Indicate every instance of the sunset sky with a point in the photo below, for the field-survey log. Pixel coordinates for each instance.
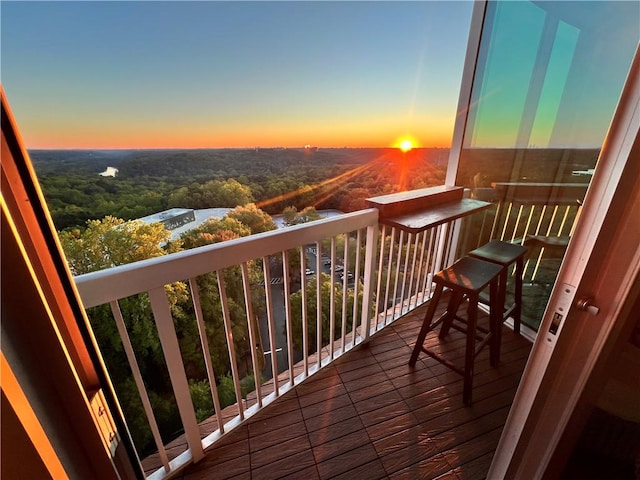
(233, 74)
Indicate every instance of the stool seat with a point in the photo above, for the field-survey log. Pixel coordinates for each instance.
(469, 275)
(497, 251)
(466, 279)
(547, 242)
(504, 254)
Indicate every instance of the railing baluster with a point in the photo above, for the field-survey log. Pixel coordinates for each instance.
(137, 377)
(271, 323)
(345, 292)
(175, 366)
(526, 228)
(420, 266)
(480, 239)
(318, 307)
(548, 233)
(287, 312)
(541, 219)
(367, 289)
(254, 338)
(564, 220)
(388, 282)
(332, 298)
(575, 219)
(496, 219)
(397, 274)
(226, 318)
(356, 285)
(379, 275)
(441, 247)
(455, 228)
(204, 343)
(305, 322)
(406, 268)
(428, 267)
(515, 228)
(506, 221)
(416, 238)
(552, 220)
(537, 232)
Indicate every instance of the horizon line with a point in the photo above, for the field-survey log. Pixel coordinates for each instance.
(113, 149)
(228, 148)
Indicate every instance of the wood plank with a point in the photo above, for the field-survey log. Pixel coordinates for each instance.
(432, 467)
(335, 430)
(279, 450)
(292, 431)
(347, 461)
(369, 415)
(277, 469)
(373, 470)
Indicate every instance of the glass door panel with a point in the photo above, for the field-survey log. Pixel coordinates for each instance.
(546, 84)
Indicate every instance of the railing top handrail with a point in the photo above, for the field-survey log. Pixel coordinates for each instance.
(540, 193)
(97, 288)
(540, 184)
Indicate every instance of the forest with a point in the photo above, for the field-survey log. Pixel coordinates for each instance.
(149, 181)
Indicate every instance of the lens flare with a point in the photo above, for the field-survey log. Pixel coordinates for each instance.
(406, 145)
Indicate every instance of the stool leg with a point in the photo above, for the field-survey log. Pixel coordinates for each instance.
(452, 310)
(495, 321)
(517, 311)
(470, 351)
(426, 324)
(502, 291)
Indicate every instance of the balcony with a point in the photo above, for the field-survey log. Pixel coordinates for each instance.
(359, 387)
(369, 415)
(338, 399)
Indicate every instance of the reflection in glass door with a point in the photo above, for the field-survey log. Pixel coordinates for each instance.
(547, 80)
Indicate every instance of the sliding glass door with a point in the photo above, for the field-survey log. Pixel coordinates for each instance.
(547, 79)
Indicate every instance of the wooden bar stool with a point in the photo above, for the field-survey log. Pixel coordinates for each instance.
(505, 254)
(465, 278)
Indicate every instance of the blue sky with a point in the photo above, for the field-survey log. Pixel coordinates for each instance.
(216, 74)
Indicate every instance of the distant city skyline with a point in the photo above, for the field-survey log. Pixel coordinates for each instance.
(112, 75)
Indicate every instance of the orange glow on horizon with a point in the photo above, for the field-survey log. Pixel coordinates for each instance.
(406, 143)
(136, 135)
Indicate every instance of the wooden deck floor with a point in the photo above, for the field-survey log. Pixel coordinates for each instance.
(369, 415)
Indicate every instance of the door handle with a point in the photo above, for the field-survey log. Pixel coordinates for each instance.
(585, 304)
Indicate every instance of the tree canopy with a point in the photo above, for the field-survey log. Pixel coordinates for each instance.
(150, 181)
(112, 241)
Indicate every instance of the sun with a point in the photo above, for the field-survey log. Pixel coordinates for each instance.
(406, 145)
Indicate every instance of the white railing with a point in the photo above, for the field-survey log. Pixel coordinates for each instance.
(542, 215)
(386, 275)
